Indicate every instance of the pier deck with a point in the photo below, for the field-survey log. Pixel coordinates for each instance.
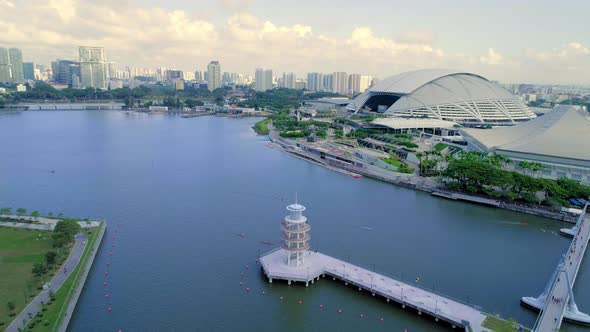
(557, 301)
(317, 264)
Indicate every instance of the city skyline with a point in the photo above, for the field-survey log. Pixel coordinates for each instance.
(244, 35)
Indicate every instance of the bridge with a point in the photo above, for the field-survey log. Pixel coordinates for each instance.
(556, 302)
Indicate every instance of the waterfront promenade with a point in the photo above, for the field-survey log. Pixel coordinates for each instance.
(557, 301)
(423, 301)
(58, 279)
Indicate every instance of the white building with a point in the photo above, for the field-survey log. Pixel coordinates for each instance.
(315, 81)
(93, 68)
(263, 79)
(354, 83)
(340, 83)
(295, 235)
(213, 75)
(289, 80)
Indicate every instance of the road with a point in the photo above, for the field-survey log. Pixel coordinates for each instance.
(59, 278)
(557, 300)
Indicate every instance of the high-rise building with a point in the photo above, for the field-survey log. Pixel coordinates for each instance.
(289, 80)
(328, 82)
(354, 83)
(365, 83)
(5, 75)
(63, 70)
(315, 81)
(93, 69)
(29, 70)
(173, 75)
(198, 75)
(188, 76)
(16, 65)
(263, 79)
(112, 70)
(213, 75)
(340, 83)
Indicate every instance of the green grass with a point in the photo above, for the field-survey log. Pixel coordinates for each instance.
(440, 146)
(261, 127)
(500, 325)
(55, 311)
(19, 249)
(392, 161)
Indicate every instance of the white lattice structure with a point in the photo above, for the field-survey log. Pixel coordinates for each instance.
(461, 97)
(295, 235)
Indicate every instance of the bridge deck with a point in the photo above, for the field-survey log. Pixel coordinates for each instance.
(556, 305)
(318, 264)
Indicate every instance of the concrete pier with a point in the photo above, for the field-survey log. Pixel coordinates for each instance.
(425, 302)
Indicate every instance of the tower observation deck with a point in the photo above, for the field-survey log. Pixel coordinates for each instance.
(295, 235)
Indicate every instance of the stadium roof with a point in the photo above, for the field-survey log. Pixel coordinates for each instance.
(563, 132)
(409, 81)
(446, 95)
(413, 123)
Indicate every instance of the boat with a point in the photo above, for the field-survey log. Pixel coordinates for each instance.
(268, 243)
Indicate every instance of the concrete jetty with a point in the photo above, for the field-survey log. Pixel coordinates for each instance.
(318, 265)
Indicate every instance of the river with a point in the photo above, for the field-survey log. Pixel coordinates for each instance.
(177, 193)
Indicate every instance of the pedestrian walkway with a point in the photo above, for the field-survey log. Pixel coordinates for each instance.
(557, 300)
(55, 283)
(423, 301)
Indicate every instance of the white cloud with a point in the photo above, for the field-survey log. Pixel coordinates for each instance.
(149, 37)
(492, 58)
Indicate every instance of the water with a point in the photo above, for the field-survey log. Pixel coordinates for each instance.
(183, 189)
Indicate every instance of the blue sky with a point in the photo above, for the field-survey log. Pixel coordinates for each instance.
(510, 41)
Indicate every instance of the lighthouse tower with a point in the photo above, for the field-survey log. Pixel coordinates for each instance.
(295, 235)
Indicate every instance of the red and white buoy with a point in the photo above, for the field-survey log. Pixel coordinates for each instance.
(362, 315)
(339, 311)
(321, 306)
(107, 295)
(109, 309)
(247, 289)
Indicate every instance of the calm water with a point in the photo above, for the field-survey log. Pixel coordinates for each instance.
(182, 189)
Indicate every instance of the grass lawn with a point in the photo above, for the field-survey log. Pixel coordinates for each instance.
(261, 127)
(392, 161)
(19, 249)
(50, 319)
(500, 325)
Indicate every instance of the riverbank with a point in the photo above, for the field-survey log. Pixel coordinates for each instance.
(51, 308)
(410, 181)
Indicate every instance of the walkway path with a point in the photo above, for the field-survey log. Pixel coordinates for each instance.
(558, 301)
(59, 278)
(424, 301)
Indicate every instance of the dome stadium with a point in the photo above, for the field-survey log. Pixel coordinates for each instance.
(464, 98)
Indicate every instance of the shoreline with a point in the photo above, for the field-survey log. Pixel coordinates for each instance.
(420, 183)
(73, 301)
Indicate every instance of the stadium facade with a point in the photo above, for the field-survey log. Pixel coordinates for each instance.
(465, 98)
(557, 140)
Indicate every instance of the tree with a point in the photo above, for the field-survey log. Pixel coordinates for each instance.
(5, 211)
(35, 214)
(21, 211)
(64, 232)
(39, 269)
(50, 257)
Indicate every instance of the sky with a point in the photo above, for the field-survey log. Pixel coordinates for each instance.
(545, 42)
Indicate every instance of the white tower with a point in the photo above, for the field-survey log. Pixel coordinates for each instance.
(295, 235)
